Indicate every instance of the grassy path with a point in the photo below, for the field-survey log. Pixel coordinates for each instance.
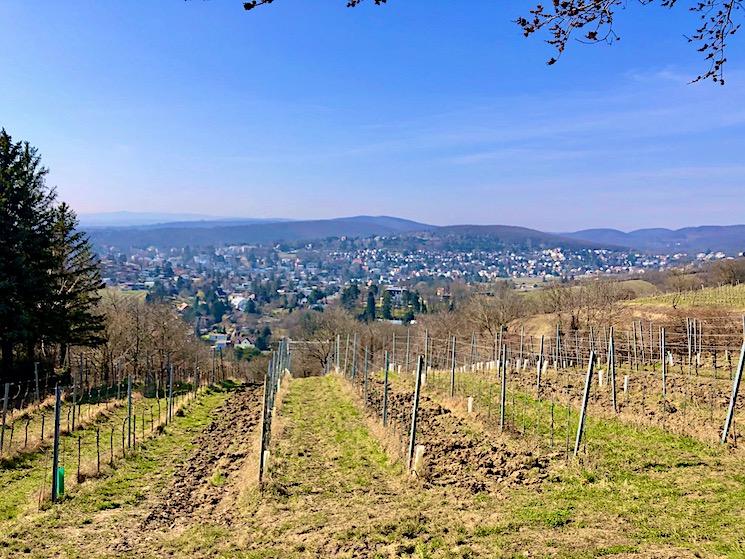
(333, 490)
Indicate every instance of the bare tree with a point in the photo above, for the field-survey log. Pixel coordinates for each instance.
(730, 272)
(678, 283)
(318, 331)
(143, 339)
(592, 21)
(490, 313)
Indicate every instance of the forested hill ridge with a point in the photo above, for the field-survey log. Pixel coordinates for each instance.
(217, 233)
(728, 239)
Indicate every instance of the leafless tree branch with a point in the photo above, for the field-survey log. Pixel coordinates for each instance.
(592, 21)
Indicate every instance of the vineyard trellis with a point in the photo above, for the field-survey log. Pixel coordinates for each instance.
(279, 365)
(83, 420)
(679, 377)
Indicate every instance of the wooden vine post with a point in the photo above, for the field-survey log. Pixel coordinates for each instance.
(585, 398)
(415, 412)
(733, 397)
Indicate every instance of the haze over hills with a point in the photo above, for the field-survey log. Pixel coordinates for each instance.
(137, 219)
(729, 239)
(215, 232)
(220, 231)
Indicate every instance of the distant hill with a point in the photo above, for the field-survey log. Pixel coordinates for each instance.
(219, 233)
(509, 235)
(729, 239)
(139, 219)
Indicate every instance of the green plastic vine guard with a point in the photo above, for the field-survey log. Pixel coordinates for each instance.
(60, 481)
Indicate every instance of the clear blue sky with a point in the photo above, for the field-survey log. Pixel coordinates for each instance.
(437, 110)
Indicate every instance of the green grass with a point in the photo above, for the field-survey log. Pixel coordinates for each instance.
(636, 489)
(332, 432)
(333, 492)
(665, 489)
(89, 517)
(29, 473)
(731, 297)
(218, 479)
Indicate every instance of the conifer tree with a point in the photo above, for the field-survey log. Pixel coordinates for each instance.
(370, 307)
(49, 276)
(77, 282)
(387, 307)
(26, 216)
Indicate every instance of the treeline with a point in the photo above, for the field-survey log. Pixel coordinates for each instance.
(49, 278)
(485, 311)
(481, 311)
(145, 339)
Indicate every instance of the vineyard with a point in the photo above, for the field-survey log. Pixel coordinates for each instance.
(581, 444)
(725, 296)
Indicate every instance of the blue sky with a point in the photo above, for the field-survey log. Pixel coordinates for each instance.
(436, 110)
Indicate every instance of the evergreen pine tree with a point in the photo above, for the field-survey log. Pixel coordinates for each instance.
(370, 307)
(72, 318)
(26, 217)
(387, 307)
(49, 276)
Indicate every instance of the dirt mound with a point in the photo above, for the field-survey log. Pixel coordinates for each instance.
(207, 477)
(457, 453)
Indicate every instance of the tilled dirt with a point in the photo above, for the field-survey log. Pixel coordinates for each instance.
(204, 486)
(457, 454)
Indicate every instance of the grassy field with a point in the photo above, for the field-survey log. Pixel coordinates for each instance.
(25, 471)
(633, 490)
(640, 288)
(333, 491)
(731, 297)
